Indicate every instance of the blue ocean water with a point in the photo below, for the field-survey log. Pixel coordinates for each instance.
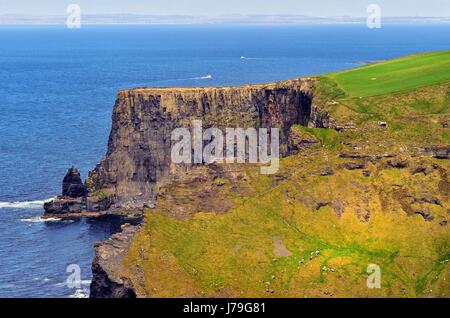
(57, 89)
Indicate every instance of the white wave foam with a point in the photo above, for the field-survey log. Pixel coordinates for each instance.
(248, 58)
(80, 293)
(22, 205)
(85, 282)
(39, 219)
(5, 286)
(25, 204)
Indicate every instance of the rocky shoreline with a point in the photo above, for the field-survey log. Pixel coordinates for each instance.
(75, 203)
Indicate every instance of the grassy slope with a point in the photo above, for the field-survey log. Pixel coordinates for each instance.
(395, 75)
(351, 219)
(234, 254)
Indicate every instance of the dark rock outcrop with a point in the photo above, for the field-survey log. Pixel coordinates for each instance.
(107, 281)
(438, 152)
(64, 205)
(98, 204)
(328, 171)
(73, 198)
(299, 141)
(354, 156)
(75, 201)
(72, 185)
(343, 126)
(426, 214)
(397, 164)
(354, 166)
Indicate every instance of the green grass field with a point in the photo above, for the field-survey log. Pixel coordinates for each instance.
(395, 75)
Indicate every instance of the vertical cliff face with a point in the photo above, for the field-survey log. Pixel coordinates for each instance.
(139, 147)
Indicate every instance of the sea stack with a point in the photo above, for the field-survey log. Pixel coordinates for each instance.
(72, 185)
(73, 198)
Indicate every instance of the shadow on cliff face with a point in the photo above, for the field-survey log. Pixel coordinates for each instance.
(139, 147)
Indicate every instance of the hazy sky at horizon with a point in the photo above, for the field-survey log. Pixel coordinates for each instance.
(221, 7)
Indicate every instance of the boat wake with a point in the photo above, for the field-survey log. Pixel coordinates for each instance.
(202, 77)
(206, 77)
(248, 58)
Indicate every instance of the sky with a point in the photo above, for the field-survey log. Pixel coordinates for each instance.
(320, 8)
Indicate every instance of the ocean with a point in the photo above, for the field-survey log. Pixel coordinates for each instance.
(57, 90)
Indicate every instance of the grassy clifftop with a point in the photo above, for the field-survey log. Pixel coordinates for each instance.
(372, 192)
(395, 75)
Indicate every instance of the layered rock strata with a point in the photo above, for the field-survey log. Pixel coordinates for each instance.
(138, 157)
(139, 147)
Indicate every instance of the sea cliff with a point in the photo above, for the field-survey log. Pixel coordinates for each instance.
(361, 179)
(138, 155)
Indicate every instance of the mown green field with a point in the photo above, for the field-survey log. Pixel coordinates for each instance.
(395, 75)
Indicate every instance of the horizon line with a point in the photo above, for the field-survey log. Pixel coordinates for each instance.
(145, 19)
(221, 15)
